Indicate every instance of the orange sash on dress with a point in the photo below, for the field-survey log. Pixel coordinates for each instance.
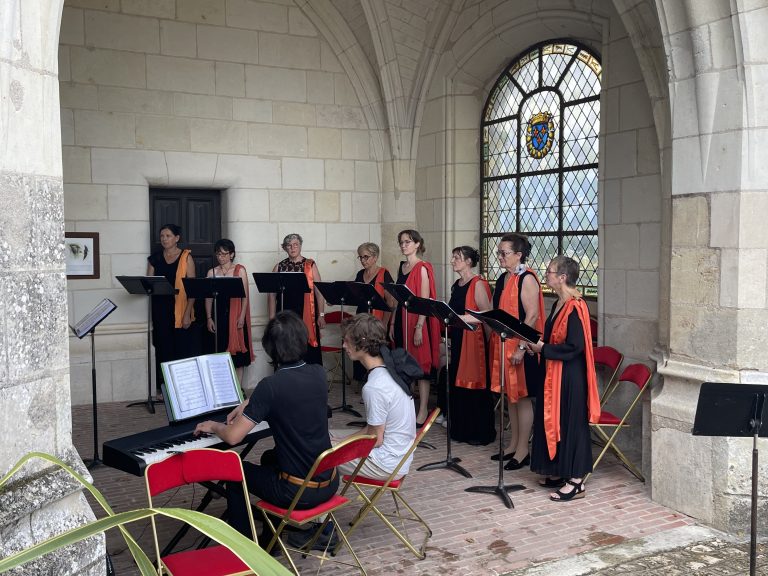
(309, 304)
(471, 370)
(236, 341)
(554, 379)
(378, 284)
(428, 354)
(514, 375)
(180, 303)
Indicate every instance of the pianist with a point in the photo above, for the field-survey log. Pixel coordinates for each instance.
(294, 403)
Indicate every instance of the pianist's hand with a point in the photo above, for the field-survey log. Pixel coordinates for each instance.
(205, 428)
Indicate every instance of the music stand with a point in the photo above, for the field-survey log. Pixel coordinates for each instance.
(506, 326)
(448, 318)
(404, 296)
(280, 282)
(214, 287)
(147, 286)
(364, 294)
(735, 411)
(87, 325)
(336, 294)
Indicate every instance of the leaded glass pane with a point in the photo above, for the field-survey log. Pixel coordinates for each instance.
(543, 108)
(539, 203)
(501, 150)
(580, 82)
(554, 65)
(543, 249)
(583, 249)
(500, 206)
(490, 262)
(505, 100)
(528, 76)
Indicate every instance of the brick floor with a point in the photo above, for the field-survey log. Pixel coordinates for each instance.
(472, 533)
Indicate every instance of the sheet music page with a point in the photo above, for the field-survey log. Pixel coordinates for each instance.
(222, 379)
(187, 388)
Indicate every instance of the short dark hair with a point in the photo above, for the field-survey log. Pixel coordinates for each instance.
(226, 245)
(519, 243)
(569, 267)
(468, 253)
(416, 237)
(173, 228)
(285, 338)
(366, 333)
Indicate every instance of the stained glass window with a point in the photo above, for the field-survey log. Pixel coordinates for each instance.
(540, 154)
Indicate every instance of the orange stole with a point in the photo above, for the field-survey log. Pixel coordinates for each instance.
(514, 374)
(428, 354)
(180, 303)
(378, 284)
(308, 314)
(471, 370)
(553, 381)
(236, 340)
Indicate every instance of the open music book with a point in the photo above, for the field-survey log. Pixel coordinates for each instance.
(199, 385)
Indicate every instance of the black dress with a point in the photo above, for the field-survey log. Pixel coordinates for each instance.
(295, 301)
(239, 359)
(359, 372)
(170, 343)
(472, 419)
(573, 458)
(401, 279)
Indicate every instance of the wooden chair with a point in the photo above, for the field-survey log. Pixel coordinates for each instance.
(203, 465)
(350, 449)
(639, 377)
(608, 360)
(393, 487)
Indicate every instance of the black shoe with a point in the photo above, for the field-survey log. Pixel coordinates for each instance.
(515, 465)
(507, 456)
(301, 538)
(552, 482)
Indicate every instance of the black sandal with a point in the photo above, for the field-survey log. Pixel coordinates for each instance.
(552, 482)
(577, 493)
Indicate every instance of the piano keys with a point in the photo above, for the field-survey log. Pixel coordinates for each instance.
(134, 453)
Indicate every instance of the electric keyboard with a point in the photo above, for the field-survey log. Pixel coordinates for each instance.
(134, 453)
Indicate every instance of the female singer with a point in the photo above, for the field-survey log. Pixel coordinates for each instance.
(569, 401)
(172, 316)
(234, 316)
(517, 292)
(371, 273)
(310, 306)
(424, 333)
(471, 401)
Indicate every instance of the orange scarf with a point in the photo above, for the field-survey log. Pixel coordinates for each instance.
(236, 341)
(554, 379)
(428, 354)
(471, 370)
(180, 303)
(514, 374)
(378, 284)
(309, 304)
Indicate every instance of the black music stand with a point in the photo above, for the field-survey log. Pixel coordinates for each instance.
(87, 325)
(147, 286)
(280, 283)
(448, 318)
(364, 294)
(337, 294)
(404, 296)
(506, 326)
(214, 287)
(736, 411)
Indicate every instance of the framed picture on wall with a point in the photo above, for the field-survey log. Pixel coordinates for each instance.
(82, 255)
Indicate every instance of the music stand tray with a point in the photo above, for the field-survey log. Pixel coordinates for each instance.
(280, 283)
(147, 286)
(449, 319)
(214, 287)
(735, 411)
(364, 294)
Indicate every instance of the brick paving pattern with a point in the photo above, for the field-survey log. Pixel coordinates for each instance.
(472, 533)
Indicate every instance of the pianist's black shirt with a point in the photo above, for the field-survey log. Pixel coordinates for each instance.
(294, 401)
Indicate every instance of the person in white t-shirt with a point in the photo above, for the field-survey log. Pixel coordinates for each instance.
(389, 409)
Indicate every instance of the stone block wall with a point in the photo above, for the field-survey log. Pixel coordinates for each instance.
(241, 96)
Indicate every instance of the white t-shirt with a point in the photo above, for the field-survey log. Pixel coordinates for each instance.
(386, 403)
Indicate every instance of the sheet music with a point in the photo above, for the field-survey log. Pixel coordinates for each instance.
(222, 380)
(94, 317)
(188, 388)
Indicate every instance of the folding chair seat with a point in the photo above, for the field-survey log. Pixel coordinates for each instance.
(350, 449)
(334, 371)
(638, 376)
(394, 487)
(203, 465)
(608, 360)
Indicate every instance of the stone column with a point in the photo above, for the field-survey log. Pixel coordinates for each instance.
(34, 359)
(719, 252)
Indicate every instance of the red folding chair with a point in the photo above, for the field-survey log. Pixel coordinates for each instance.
(203, 465)
(608, 360)
(350, 449)
(393, 487)
(639, 377)
(334, 318)
(593, 330)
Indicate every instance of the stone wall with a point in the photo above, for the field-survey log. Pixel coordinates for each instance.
(241, 96)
